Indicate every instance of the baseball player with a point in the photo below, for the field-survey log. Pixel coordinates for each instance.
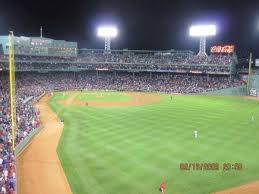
(196, 134)
(162, 187)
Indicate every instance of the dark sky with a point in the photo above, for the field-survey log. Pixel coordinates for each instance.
(143, 24)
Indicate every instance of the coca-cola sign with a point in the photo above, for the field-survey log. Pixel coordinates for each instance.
(222, 49)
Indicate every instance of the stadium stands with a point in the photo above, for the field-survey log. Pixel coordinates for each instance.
(168, 71)
(180, 61)
(34, 84)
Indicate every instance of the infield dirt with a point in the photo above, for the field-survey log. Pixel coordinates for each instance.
(136, 99)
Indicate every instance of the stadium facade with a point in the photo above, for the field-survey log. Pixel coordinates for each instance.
(39, 46)
(46, 55)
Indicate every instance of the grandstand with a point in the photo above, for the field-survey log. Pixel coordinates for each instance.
(47, 65)
(43, 54)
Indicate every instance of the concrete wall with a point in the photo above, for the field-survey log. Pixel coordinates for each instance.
(235, 91)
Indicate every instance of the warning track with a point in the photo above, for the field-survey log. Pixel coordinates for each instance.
(38, 166)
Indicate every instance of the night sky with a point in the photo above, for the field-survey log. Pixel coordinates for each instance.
(142, 24)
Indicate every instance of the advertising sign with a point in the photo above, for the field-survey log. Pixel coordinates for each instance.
(222, 49)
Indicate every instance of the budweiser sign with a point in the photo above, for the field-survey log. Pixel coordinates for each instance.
(222, 49)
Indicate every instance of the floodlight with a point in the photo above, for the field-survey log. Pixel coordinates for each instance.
(107, 32)
(203, 30)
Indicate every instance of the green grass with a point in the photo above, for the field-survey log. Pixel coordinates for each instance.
(130, 150)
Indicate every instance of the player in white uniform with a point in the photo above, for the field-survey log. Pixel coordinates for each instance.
(196, 134)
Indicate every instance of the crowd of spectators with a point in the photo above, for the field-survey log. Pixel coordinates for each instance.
(174, 61)
(162, 82)
(34, 84)
(30, 85)
(132, 67)
(127, 57)
(7, 157)
(27, 119)
(159, 58)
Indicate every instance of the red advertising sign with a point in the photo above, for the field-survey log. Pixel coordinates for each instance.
(222, 49)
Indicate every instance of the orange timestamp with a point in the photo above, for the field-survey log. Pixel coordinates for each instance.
(210, 166)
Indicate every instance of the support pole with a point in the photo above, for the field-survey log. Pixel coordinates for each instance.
(41, 31)
(12, 87)
(202, 51)
(249, 73)
(107, 43)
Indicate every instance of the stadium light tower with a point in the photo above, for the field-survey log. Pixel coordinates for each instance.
(107, 32)
(202, 31)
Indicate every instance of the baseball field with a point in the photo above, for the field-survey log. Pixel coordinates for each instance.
(127, 143)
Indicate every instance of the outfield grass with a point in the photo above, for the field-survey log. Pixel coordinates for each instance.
(130, 150)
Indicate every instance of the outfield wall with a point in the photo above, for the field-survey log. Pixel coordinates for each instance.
(234, 91)
(254, 81)
(26, 140)
(254, 86)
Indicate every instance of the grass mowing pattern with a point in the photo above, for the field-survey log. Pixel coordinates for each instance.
(129, 150)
